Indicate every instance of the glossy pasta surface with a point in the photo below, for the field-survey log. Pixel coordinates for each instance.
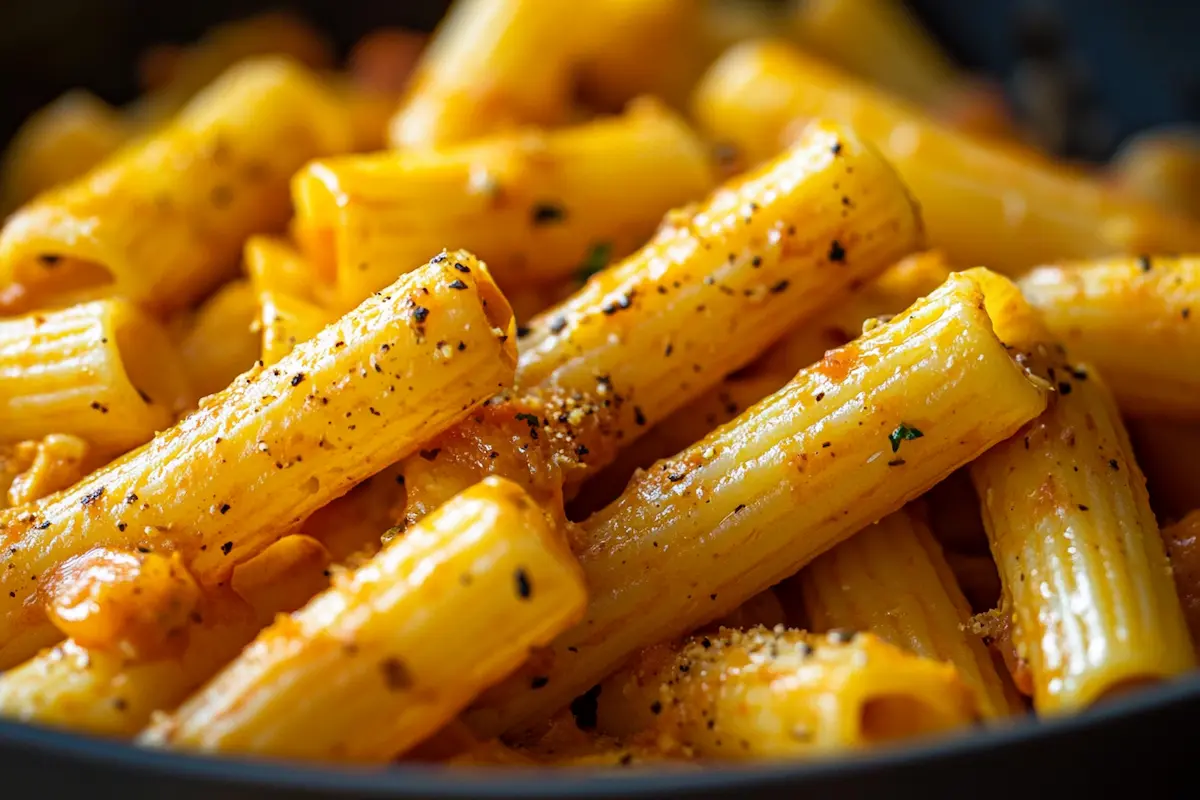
(656, 384)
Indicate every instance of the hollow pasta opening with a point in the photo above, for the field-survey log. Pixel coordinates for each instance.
(150, 364)
(49, 280)
(891, 717)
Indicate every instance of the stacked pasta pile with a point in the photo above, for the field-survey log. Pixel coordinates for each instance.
(475, 460)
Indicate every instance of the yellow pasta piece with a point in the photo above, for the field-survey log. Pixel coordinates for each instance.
(493, 65)
(163, 221)
(763, 609)
(982, 202)
(1182, 541)
(879, 41)
(1070, 525)
(274, 265)
(1137, 320)
(278, 444)
(1168, 451)
(490, 561)
(189, 70)
(766, 694)
(538, 206)
(894, 290)
(33, 469)
(617, 68)
(715, 287)
(219, 343)
(797, 473)
(892, 580)
(57, 144)
(103, 371)
(1163, 166)
(287, 320)
(105, 692)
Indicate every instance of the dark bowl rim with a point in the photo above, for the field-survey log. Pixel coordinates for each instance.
(411, 780)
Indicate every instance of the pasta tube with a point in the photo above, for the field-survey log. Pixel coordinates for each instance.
(57, 144)
(982, 202)
(893, 291)
(711, 291)
(191, 69)
(1162, 166)
(616, 68)
(219, 343)
(1182, 541)
(497, 569)
(103, 371)
(892, 580)
(162, 222)
(287, 320)
(1137, 320)
(779, 693)
(794, 475)
(278, 444)
(879, 41)
(33, 469)
(1071, 530)
(106, 692)
(493, 65)
(537, 206)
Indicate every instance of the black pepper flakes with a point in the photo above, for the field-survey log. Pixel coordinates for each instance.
(1144, 263)
(581, 450)
(585, 707)
(457, 284)
(780, 287)
(656, 708)
(1113, 465)
(836, 148)
(121, 526)
(131, 499)
(557, 324)
(638, 416)
(297, 379)
(837, 253)
(49, 260)
(420, 313)
(524, 587)
(395, 675)
(224, 509)
(227, 548)
(547, 213)
(91, 496)
(461, 267)
(538, 682)
(1064, 387)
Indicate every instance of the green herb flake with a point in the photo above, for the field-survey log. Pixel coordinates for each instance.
(904, 432)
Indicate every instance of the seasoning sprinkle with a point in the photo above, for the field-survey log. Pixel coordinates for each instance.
(903, 433)
(524, 587)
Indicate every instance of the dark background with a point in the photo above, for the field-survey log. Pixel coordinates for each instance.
(1116, 66)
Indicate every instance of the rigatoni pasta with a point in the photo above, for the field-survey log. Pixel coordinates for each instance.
(848, 441)
(278, 444)
(892, 580)
(769, 694)
(1077, 546)
(537, 206)
(492, 65)
(218, 342)
(1136, 319)
(983, 203)
(364, 671)
(714, 288)
(103, 371)
(164, 221)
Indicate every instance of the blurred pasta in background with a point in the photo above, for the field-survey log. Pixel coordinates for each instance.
(633, 382)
